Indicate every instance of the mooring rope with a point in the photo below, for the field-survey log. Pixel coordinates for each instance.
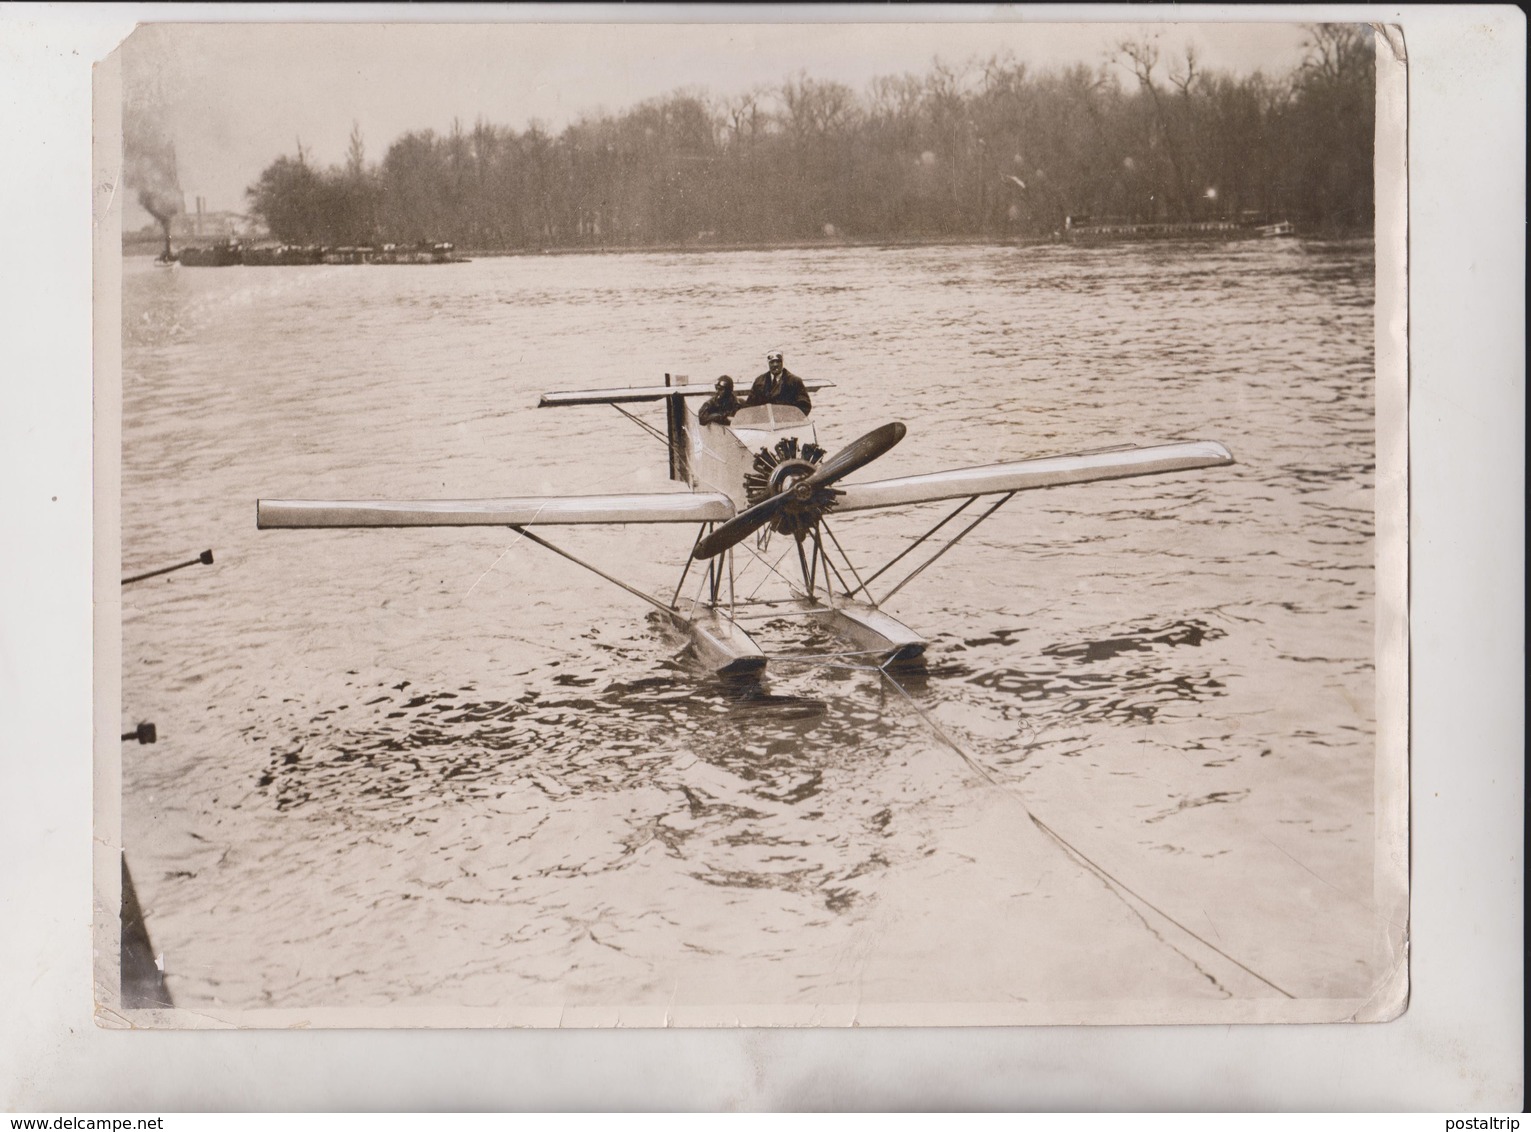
(1068, 847)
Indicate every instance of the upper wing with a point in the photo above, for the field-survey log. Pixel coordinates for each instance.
(1021, 475)
(642, 393)
(668, 507)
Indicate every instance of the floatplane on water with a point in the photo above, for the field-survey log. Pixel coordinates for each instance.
(762, 472)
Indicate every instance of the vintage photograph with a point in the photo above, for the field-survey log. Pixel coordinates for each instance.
(727, 524)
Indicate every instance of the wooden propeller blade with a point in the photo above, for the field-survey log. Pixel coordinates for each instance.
(857, 454)
(740, 527)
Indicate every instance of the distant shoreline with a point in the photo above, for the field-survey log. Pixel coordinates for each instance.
(138, 247)
(142, 248)
(1058, 240)
(768, 246)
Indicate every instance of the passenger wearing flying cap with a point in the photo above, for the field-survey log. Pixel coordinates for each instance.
(722, 405)
(779, 386)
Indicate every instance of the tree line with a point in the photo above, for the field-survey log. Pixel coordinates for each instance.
(989, 149)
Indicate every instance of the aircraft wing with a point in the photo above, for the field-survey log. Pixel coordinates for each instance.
(1023, 475)
(665, 507)
(646, 393)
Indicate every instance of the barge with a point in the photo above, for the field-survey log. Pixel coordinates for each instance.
(231, 253)
(1086, 230)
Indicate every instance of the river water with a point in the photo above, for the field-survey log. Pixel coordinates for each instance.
(423, 770)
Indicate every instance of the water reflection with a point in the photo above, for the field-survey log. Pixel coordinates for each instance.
(1126, 677)
(738, 776)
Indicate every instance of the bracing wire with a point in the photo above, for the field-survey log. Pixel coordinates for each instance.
(770, 566)
(643, 424)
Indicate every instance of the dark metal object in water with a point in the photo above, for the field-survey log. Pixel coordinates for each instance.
(205, 558)
(144, 733)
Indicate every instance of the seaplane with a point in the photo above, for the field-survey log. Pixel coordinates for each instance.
(762, 473)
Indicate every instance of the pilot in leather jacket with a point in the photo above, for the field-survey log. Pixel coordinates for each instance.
(779, 386)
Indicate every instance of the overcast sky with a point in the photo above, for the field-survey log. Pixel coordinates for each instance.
(233, 97)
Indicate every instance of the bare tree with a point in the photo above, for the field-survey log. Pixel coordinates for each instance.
(356, 151)
(1183, 78)
(1143, 57)
(983, 147)
(1337, 53)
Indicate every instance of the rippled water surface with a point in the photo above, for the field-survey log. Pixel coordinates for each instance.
(433, 768)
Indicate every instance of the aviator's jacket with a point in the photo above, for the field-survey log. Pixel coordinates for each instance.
(790, 391)
(718, 410)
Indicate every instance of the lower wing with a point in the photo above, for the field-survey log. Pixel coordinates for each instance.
(668, 507)
(1023, 475)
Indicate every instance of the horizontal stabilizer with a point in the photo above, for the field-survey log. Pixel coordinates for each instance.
(648, 393)
(1023, 475)
(669, 507)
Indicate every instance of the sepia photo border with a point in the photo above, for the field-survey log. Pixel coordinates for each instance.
(1390, 876)
(1389, 1063)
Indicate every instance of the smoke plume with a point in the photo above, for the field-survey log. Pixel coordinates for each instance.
(149, 169)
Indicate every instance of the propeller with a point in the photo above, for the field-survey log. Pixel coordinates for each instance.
(855, 455)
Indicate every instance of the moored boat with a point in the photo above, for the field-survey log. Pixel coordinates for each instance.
(1085, 229)
(281, 255)
(232, 252)
(226, 254)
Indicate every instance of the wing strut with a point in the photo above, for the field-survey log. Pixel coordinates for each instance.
(951, 542)
(848, 563)
(901, 555)
(702, 530)
(540, 541)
